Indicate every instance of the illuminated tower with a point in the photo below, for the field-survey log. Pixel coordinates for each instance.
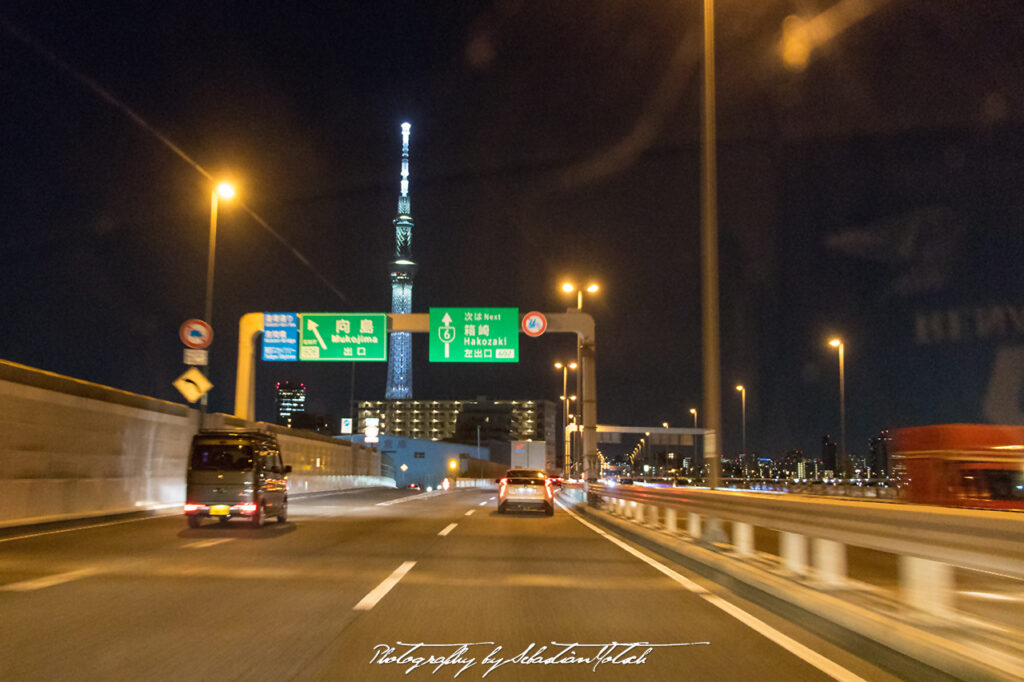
(402, 269)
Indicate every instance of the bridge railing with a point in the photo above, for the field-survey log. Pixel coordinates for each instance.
(929, 541)
(873, 488)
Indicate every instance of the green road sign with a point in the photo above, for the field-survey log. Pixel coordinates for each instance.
(474, 335)
(351, 337)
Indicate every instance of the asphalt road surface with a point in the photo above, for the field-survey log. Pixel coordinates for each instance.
(348, 587)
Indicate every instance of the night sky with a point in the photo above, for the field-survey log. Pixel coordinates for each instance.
(877, 193)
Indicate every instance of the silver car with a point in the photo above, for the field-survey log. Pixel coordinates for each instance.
(526, 489)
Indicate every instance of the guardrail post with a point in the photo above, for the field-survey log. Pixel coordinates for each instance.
(926, 585)
(829, 561)
(794, 552)
(743, 538)
(693, 525)
(652, 514)
(638, 512)
(670, 519)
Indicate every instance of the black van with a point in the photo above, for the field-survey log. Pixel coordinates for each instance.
(236, 474)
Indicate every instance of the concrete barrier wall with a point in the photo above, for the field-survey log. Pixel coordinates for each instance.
(73, 449)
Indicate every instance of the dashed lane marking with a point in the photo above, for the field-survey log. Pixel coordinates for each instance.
(47, 581)
(201, 544)
(378, 593)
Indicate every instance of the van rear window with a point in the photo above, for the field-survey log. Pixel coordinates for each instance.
(222, 457)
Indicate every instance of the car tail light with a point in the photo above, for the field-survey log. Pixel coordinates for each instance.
(504, 484)
(191, 507)
(246, 508)
(547, 489)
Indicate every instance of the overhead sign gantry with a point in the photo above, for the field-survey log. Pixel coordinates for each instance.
(287, 335)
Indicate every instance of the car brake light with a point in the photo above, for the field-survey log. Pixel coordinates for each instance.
(192, 507)
(504, 484)
(547, 488)
(246, 508)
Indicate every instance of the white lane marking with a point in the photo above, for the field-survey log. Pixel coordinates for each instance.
(200, 544)
(377, 593)
(491, 499)
(993, 596)
(418, 496)
(448, 529)
(483, 503)
(470, 512)
(95, 525)
(48, 581)
(808, 655)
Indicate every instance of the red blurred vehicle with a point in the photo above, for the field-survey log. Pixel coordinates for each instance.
(960, 465)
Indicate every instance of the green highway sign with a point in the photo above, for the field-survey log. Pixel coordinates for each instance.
(351, 337)
(474, 335)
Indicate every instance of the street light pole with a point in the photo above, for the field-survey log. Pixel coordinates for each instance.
(709, 256)
(227, 191)
(569, 287)
(565, 367)
(743, 401)
(837, 343)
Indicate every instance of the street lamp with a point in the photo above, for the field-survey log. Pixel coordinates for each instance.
(837, 343)
(693, 411)
(569, 287)
(565, 367)
(743, 400)
(227, 191)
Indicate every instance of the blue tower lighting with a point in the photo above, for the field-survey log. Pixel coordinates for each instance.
(402, 270)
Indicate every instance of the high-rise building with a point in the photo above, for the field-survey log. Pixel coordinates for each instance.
(828, 454)
(878, 454)
(457, 420)
(401, 269)
(291, 398)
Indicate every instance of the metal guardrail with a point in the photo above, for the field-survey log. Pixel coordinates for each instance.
(814, 534)
(875, 488)
(929, 542)
(975, 539)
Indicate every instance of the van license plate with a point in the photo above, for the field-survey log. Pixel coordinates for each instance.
(220, 510)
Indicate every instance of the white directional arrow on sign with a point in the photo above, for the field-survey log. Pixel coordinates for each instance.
(446, 333)
(311, 326)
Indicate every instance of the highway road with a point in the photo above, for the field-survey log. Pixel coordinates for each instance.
(348, 586)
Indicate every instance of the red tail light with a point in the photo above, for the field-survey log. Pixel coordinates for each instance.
(191, 507)
(504, 484)
(247, 508)
(547, 489)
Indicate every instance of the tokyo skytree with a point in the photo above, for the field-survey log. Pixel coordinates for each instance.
(402, 269)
